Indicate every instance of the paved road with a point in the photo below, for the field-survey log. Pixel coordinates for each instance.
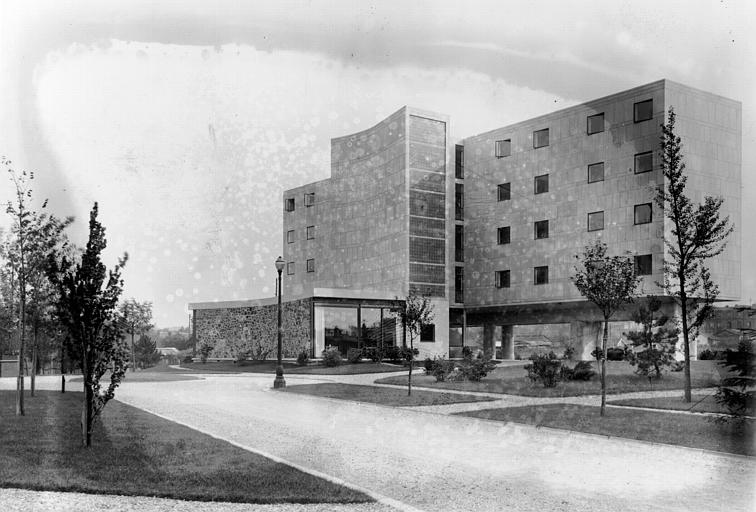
(433, 461)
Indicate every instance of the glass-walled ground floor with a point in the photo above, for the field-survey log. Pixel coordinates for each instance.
(356, 324)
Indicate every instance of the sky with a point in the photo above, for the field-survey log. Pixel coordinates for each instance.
(186, 120)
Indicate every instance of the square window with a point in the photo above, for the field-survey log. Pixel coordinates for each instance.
(595, 124)
(290, 236)
(310, 232)
(541, 184)
(309, 199)
(503, 235)
(596, 172)
(642, 213)
(541, 229)
(595, 221)
(541, 138)
(290, 268)
(289, 204)
(644, 162)
(427, 332)
(503, 148)
(643, 265)
(503, 192)
(502, 279)
(643, 111)
(540, 275)
(311, 265)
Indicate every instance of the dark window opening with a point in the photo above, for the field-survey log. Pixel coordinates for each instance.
(310, 232)
(541, 184)
(459, 243)
(290, 236)
(643, 111)
(503, 148)
(289, 204)
(541, 229)
(541, 275)
(502, 279)
(459, 201)
(541, 138)
(309, 199)
(459, 161)
(596, 172)
(428, 332)
(595, 124)
(644, 162)
(459, 284)
(504, 192)
(642, 213)
(643, 265)
(502, 235)
(595, 221)
(310, 265)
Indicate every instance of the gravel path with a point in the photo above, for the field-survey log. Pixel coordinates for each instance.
(434, 461)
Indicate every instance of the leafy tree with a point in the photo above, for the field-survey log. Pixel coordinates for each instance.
(416, 312)
(737, 391)
(698, 233)
(656, 340)
(146, 352)
(87, 300)
(136, 318)
(609, 282)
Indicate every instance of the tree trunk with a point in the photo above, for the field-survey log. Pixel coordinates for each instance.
(133, 361)
(22, 336)
(686, 342)
(409, 379)
(34, 358)
(603, 366)
(62, 369)
(87, 406)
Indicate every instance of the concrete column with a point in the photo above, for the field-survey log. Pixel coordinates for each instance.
(489, 346)
(319, 331)
(507, 342)
(585, 336)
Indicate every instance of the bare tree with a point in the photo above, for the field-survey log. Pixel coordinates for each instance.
(698, 233)
(416, 312)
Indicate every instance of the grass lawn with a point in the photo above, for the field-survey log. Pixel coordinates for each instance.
(384, 396)
(700, 403)
(142, 376)
(137, 453)
(620, 378)
(660, 427)
(269, 366)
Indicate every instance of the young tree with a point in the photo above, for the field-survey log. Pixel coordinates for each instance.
(656, 340)
(698, 233)
(87, 300)
(146, 352)
(608, 282)
(737, 391)
(416, 312)
(136, 318)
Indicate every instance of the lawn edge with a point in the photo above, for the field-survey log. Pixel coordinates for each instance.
(569, 432)
(379, 498)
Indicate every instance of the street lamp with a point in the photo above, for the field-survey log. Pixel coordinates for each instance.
(279, 382)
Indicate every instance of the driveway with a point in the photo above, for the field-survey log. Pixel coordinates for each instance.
(434, 461)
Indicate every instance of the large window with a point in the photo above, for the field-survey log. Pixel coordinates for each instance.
(310, 232)
(309, 199)
(541, 184)
(643, 265)
(541, 138)
(595, 124)
(596, 172)
(502, 235)
(504, 192)
(540, 275)
(290, 268)
(644, 162)
(541, 229)
(290, 236)
(459, 243)
(502, 279)
(459, 284)
(459, 201)
(642, 214)
(643, 111)
(503, 148)
(459, 161)
(310, 265)
(289, 204)
(595, 221)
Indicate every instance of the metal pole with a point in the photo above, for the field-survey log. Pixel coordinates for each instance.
(279, 382)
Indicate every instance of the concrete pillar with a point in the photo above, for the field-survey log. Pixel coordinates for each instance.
(585, 336)
(489, 345)
(507, 342)
(319, 327)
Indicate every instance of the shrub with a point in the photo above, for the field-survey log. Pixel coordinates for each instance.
(331, 357)
(372, 353)
(354, 355)
(582, 371)
(677, 366)
(187, 359)
(428, 364)
(545, 368)
(441, 368)
(303, 358)
(737, 391)
(476, 369)
(466, 352)
(392, 353)
(569, 352)
(615, 354)
(707, 355)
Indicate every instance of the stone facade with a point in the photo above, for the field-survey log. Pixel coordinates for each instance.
(251, 331)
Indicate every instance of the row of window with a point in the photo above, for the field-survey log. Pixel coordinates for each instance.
(642, 111)
(642, 214)
(291, 235)
(289, 203)
(291, 267)
(503, 278)
(644, 162)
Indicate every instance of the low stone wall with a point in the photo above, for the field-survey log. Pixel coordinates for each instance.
(252, 331)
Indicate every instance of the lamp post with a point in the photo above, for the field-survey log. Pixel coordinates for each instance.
(279, 382)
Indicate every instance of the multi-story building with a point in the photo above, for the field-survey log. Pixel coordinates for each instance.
(489, 227)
